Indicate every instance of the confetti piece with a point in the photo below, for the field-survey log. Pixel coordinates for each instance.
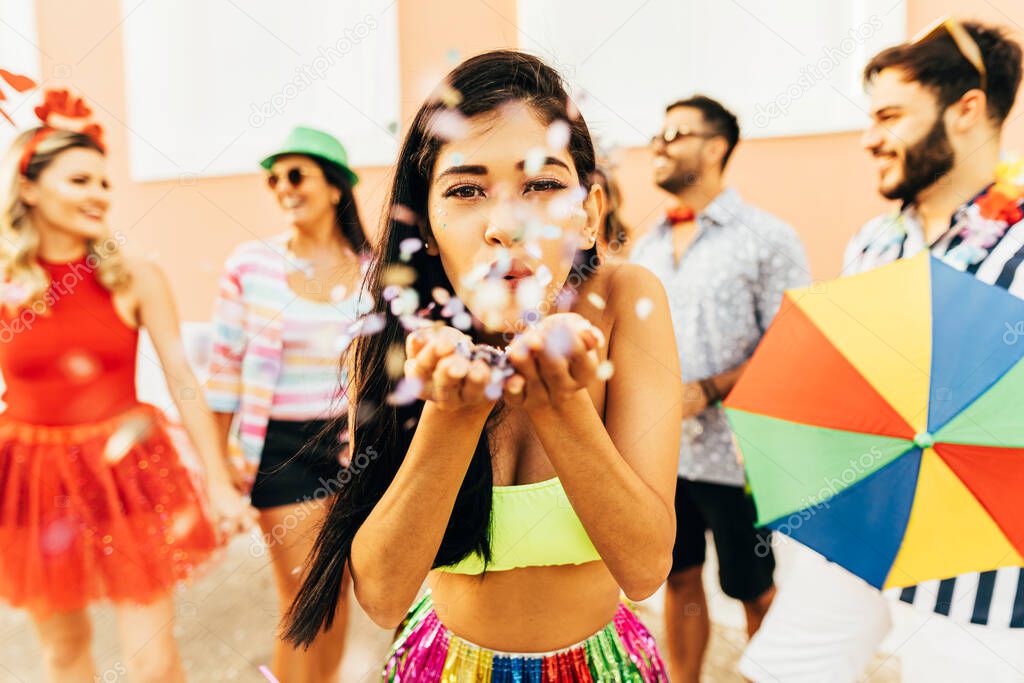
(558, 135)
(476, 275)
(183, 522)
(596, 301)
(391, 292)
(453, 307)
(571, 109)
(411, 323)
(57, 536)
(544, 276)
(13, 293)
(558, 341)
(551, 232)
(565, 299)
(448, 95)
(367, 325)
(394, 361)
(440, 295)
(605, 370)
(493, 391)
(338, 293)
(132, 431)
(462, 321)
(406, 391)
(409, 246)
(535, 160)
(267, 674)
(342, 344)
(79, 366)
(644, 306)
(404, 215)
(503, 261)
(409, 424)
(447, 125)
(491, 296)
(398, 275)
(529, 293)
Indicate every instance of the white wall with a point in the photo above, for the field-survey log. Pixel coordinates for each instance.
(213, 87)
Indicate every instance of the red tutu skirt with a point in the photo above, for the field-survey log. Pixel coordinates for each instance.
(98, 511)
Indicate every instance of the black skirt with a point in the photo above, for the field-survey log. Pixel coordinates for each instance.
(294, 467)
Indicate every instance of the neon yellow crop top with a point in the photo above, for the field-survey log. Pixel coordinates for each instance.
(532, 525)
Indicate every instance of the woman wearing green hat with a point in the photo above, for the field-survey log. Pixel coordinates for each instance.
(281, 319)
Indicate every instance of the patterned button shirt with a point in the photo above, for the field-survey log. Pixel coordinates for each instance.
(993, 598)
(722, 295)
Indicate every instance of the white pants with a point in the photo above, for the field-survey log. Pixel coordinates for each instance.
(826, 626)
(823, 627)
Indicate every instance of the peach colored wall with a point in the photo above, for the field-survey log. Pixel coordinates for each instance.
(823, 184)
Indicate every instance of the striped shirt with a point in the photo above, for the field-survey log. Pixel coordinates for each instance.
(311, 384)
(994, 598)
(248, 342)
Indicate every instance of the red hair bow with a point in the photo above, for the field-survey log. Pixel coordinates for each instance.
(67, 109)
(61, 111)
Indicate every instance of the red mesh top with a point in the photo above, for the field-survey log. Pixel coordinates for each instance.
(74, 364)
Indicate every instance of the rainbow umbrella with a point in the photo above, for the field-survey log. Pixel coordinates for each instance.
(881, 423)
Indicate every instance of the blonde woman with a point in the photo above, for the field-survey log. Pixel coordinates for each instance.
(94, 501)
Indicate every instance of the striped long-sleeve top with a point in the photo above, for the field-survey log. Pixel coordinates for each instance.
(256, 319)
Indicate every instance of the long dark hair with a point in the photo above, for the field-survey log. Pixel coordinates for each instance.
(614, 230)
(346, 213)
(383, 432)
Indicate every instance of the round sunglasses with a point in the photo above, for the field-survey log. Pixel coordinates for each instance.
(294, 176)
(671, 134)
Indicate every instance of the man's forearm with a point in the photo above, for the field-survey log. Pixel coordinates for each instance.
(702, 394)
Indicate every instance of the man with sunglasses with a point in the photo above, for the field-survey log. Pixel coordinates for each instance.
(938, 104)
(724, 265)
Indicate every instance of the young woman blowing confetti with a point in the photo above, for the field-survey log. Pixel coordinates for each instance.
(524, 453)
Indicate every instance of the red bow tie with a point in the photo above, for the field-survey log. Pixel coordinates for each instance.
(680, 214)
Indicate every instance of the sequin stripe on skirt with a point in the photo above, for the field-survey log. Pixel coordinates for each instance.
(419, 652)
(426, 652)
(640, 645)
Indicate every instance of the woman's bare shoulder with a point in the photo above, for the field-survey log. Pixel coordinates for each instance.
(618, 289)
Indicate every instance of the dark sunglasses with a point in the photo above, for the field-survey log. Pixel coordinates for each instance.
(667, 137)
(293, 175)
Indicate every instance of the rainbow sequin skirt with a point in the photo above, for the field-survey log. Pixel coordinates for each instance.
(426, 651)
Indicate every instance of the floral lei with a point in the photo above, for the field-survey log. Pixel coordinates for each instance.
(982, 222)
